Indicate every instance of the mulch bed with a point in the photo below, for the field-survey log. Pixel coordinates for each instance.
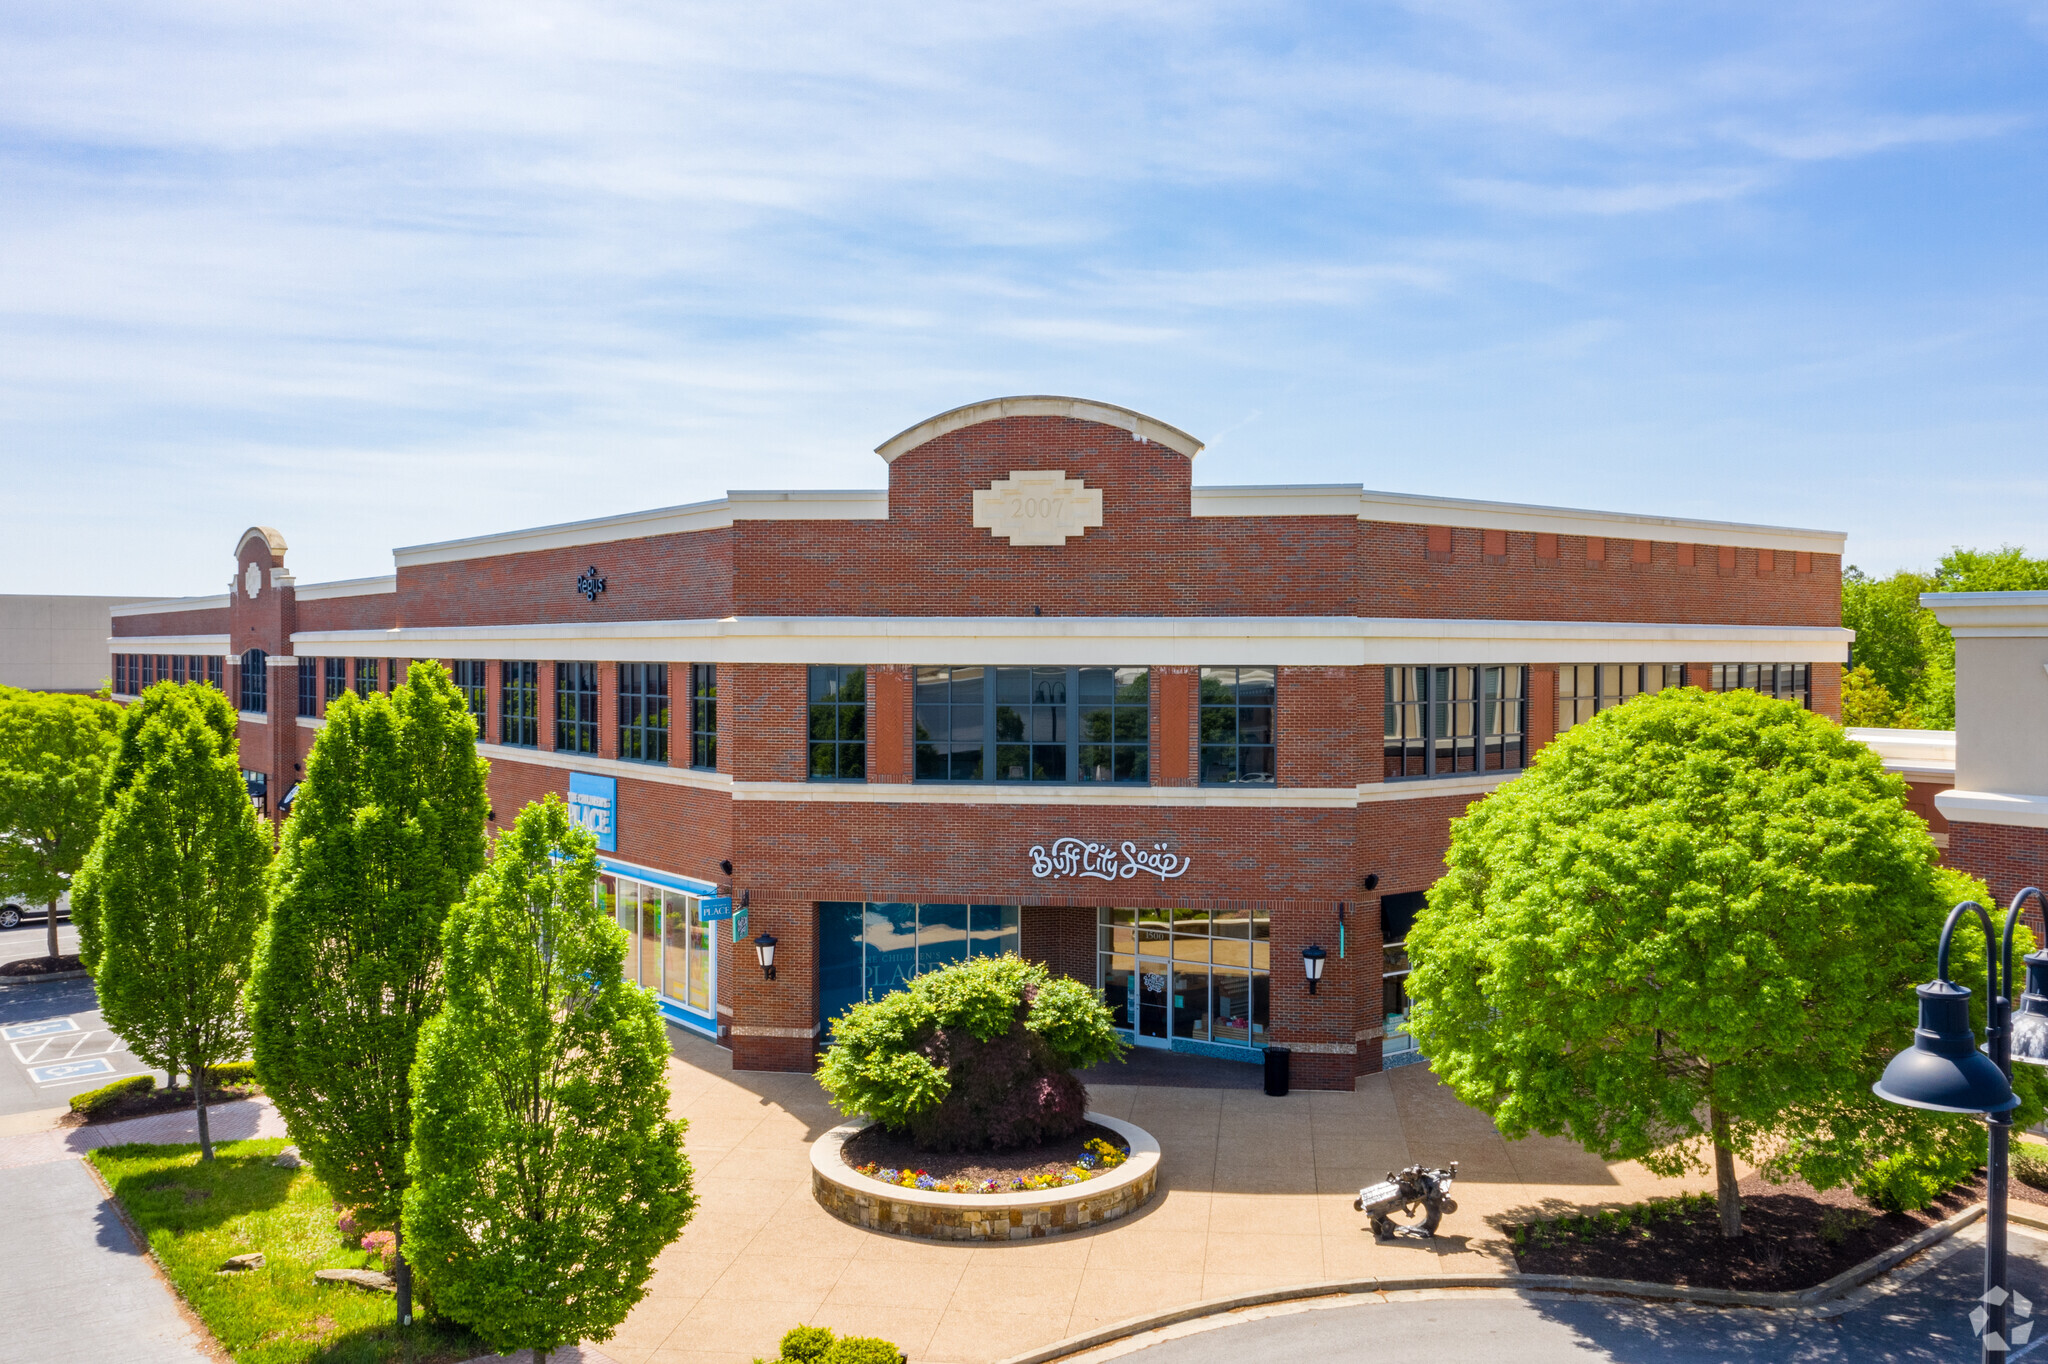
(1781, 1248)
(162, 1101)
(875, 1144)
(41, 966)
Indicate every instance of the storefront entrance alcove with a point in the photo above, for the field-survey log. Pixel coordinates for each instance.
(866, 950)
(1188, 980)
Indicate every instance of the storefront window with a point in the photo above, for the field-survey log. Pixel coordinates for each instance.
(869, 950)
(1397, 915)
(669, 950)
(1186, 974)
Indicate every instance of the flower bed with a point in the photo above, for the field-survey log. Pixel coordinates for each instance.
(1093, 1151)
(1101, 1194)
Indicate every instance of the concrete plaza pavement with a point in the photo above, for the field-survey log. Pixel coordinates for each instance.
(1254, 1193)
(1918, 1315)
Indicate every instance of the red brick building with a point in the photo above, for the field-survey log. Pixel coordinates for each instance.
(1042, 692)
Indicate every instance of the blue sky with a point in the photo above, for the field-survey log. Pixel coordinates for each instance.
(380, 274)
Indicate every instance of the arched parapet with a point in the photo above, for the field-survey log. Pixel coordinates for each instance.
(1138, 424)
(272, 539)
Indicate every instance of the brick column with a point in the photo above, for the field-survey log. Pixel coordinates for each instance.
(892, 726)
(1700, 675)
(1824, 690)
(1175, 715)
(774, 1022)
(544, 673)
(678, 715)
(494, 700)
(607, 710)
(1321, 1029)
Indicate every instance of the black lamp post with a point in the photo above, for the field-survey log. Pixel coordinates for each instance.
(1944, 1071)
(764, 949)
(1312, 962)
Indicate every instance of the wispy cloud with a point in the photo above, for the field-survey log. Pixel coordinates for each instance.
(532, 258)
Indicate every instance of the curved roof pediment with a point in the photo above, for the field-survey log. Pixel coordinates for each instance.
(1080, 409)
(271, 537)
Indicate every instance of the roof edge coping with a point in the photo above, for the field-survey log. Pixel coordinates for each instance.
(1138, 424)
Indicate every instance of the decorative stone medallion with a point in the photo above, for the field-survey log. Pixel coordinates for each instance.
(1037, 507)
(252, 581)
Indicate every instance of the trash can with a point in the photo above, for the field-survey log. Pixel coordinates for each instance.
(1277, 1059)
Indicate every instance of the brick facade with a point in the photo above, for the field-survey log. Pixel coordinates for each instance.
(1299, 851)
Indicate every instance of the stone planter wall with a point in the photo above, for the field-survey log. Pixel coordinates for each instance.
(870, 1203)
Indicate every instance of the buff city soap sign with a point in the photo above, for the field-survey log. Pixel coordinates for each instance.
(594, 803)
(1106, 861)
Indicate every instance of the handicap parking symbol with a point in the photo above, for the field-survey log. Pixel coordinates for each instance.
(70, 1070)
(42, 1029)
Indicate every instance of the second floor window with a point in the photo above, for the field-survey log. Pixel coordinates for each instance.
(1785, 681)
(177, 667)
(1237, 725)
(1033, 724)
(476, 693)
(1443, 721)
(643, 712)
(519, 705)
(839, 723)
(214, 667)
(336, 674)
(576, 707)
(309, 686)
(366, 676)
(1586, 689)
(255, 663)
(704, 715)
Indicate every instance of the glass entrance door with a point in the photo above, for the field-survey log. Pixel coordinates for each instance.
(1154, 978)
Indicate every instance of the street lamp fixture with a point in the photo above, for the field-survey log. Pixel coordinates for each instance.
(1945, 1072)
(1312, 962)
(764, 949)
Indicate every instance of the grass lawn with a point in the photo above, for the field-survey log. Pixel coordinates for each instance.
(196, 1216)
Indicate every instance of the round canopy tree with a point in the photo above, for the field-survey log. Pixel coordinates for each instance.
(1690, 931)
(973, 1056)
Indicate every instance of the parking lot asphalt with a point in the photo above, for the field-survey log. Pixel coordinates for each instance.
(32, 939)
(53, 1042)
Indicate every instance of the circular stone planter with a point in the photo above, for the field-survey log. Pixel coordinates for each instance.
(1033, 1213)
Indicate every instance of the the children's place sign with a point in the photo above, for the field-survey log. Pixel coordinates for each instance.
(594, 803)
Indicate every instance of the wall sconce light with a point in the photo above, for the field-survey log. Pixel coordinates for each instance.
(764, 948)
(1372, 880)
(1312, 962)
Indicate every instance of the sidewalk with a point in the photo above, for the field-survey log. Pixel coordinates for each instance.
(228, 1122)
(1254, 1193)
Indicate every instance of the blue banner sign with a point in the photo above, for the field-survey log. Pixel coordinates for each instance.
(715, 909)
(594, 803)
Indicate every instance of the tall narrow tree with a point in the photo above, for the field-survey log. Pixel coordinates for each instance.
(54, 751)
(546, 1174)
(174, 888)
(385, 833)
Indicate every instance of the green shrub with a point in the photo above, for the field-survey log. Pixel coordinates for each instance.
(2030, 1164)
(863, 1350)
(231, 1073)
(1837, 1225)
(95, 1102)
(1908, 1182)
(974, 1056)
(806, 1344)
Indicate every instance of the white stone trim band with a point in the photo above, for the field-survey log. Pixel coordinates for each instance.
(1157, 641)
(737, 1031)
(1993, 807)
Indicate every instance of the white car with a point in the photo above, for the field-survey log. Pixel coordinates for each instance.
(12, 915)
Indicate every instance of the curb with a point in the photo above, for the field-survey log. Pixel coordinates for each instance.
(1853, 1277)
(6, 981)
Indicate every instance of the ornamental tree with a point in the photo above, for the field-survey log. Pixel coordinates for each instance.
(384, 835)
(54, 751)
(973, 1056)
(546, 1175)
(173, 888)
(1689, 932)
